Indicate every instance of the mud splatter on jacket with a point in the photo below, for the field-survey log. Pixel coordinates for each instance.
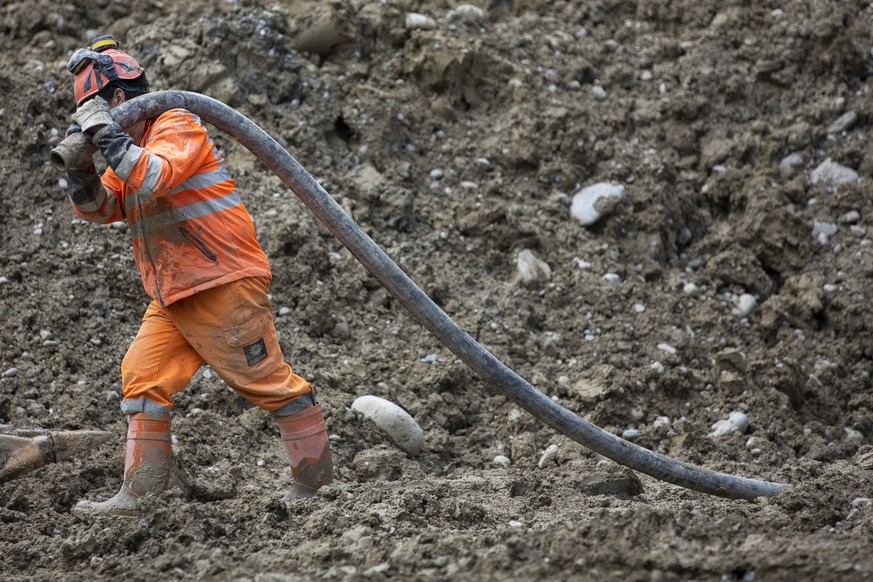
(190, 229)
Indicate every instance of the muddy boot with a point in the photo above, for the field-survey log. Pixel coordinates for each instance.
(147, 467)
(305, 438)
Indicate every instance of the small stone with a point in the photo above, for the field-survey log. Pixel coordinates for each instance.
(436, 173)
(613, 278)
(502, 461)
(844, 122)
(851, 217)
(430, 359)
(736, 422)
(96, 341)
(415, 20)
(283, 311)
(831, 173)
(4, 281)
(593, 202)
(532, 270)
(691, 289)
(657, 367)
(549, 455)
(598, 92)
(45, 334)
(466, 11)
(631, 434)
(469, 185)
(746, 304)
(119, 225)
(62, 183)
(514, 415)
(853, 435)
(667, 349)
(639, 308)
(10, 373)
(583, 265)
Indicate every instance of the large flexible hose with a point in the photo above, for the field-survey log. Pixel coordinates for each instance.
(433, 318)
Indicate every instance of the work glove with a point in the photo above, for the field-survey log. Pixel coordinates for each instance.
(74, 128)
(92, 115)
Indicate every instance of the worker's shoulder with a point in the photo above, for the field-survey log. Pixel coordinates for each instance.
(179, 116)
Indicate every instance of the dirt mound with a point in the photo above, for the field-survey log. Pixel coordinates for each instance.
(732, 276)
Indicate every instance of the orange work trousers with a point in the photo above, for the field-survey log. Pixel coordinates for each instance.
(229, 327)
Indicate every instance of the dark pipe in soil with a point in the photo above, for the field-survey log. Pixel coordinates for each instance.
(415, 300)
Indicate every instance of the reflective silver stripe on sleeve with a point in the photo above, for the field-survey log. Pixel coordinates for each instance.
(190, 212)
(128, 162)
(152, 176)
(94, 205)
(202, 181)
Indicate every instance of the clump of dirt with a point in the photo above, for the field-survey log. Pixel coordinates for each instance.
(456, 148)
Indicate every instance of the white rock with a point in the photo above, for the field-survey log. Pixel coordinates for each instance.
(662, 423)
(657, 367)
(549, 455)
(415, 20)
(283, 311)
(466, 10)
(436, 173)
(62, 183)
(119, 225)
(10, 373)
(598, 92)
(746, 304)
(631, 434)
(831, 173)
(4, 281)
(792, 161)
(583, 265)
(822, 231)
(400, 427)
(851, 217)
(613, 278)
(736, 422)
(514, 415)
(691, 289)
(469, 185)
(593, 202)
(530, 269)
(843, 122)
(667, 349)
(639, 308)
(502, 461)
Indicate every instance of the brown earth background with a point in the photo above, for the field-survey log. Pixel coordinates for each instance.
(713, 115)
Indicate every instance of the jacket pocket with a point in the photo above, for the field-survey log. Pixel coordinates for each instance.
(199, 244)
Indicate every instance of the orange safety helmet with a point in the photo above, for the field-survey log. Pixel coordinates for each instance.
(98, 65)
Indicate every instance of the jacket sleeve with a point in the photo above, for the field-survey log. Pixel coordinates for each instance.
(177, 146)
(93, 197)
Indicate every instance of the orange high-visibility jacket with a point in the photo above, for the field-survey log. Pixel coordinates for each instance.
(190, 229)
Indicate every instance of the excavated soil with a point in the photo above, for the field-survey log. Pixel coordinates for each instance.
(714, 116)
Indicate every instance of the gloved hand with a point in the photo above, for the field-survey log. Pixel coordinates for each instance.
(74, 128)
(92, 115)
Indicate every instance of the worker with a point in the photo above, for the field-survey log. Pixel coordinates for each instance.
(195, 246)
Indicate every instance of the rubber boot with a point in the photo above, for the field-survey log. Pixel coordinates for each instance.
(305, 438)
(148, 463)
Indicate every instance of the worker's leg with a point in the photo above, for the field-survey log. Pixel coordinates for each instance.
(232, 329)
(159, 363)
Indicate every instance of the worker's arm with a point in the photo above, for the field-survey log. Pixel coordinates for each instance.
(178, 146)
(90, 198)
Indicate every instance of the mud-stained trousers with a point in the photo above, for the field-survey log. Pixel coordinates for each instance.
(229, 327)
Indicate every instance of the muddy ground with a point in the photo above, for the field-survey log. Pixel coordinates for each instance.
(714, 116)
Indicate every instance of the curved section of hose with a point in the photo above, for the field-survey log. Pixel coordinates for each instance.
(420, 305)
